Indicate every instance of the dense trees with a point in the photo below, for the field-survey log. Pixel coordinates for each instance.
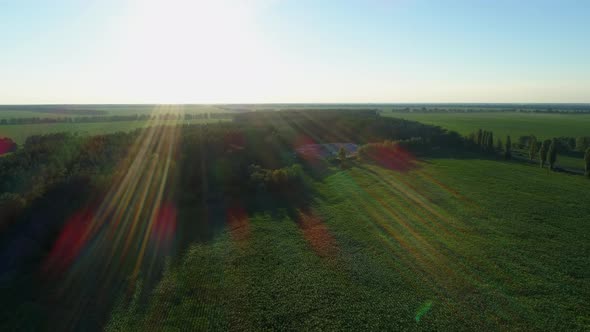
(483, 139)
(587, 162)
(277, 180)
(7, 145)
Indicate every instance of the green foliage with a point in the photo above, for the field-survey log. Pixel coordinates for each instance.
(286, 178)
(543, 152)
(582, 143)
(533, 148)
(587, 162)
(505, 123)
(479, 136)
(483, 139)
(341, 273)
(552, 153)
(342, 154)
(508, 148)
(20, 132)
(7, 145)
(360, 235)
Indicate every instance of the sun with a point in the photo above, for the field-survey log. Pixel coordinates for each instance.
(194, 51)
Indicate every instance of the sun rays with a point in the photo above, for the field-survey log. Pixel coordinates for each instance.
(132, 228)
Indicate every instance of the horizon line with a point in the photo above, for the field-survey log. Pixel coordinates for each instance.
(304, 103)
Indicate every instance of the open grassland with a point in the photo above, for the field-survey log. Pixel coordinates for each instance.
(454, 244)
(20, 132)
(544, 126)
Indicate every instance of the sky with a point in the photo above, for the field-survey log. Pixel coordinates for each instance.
(300, 51)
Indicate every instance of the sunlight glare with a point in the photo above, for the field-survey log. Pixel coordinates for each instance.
(181, 51)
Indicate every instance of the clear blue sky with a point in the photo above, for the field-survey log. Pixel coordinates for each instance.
(157, 51)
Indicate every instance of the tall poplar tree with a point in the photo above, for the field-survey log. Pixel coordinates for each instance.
(543, 152)
(552, 153)
(587, 162)
(499, 145)
(508, 150)
(533, 149)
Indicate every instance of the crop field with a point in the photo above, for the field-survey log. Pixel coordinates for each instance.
(55, 111)
(543, 126)
(20, 132)
(453, 244)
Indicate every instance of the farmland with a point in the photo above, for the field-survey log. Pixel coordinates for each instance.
(53, 111)
(255, 224)
(543, 126)
(79, 118)
(294, 166)
(502, 124)
(20, 132)
(450, 245)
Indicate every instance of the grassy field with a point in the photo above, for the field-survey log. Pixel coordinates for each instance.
(19, 133)
(544, 126)
(454, 244)
(57, 111)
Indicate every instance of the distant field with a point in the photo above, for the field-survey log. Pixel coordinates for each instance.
(19, 133)
(502, 124)
(453, 245)
(544, 126)
(55, 111)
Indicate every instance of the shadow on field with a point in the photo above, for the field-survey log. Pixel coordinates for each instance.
(80, 288)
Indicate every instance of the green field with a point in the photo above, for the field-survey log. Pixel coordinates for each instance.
(543, 126)
(56, 111)
(19, 133)
(455, 244)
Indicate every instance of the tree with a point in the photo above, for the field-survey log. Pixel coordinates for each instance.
(499, 145)
(471, 137)
(341, 154)
(533, 148)
(508, 151)
(479, 137)
(543, 152)
(582, 143)
(552, 153)
(490, 143)
(7, 145)
(587, 162)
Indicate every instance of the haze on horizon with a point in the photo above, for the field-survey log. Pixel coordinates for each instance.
(265, 51)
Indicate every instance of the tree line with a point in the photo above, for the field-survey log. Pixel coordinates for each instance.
(545, 151)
